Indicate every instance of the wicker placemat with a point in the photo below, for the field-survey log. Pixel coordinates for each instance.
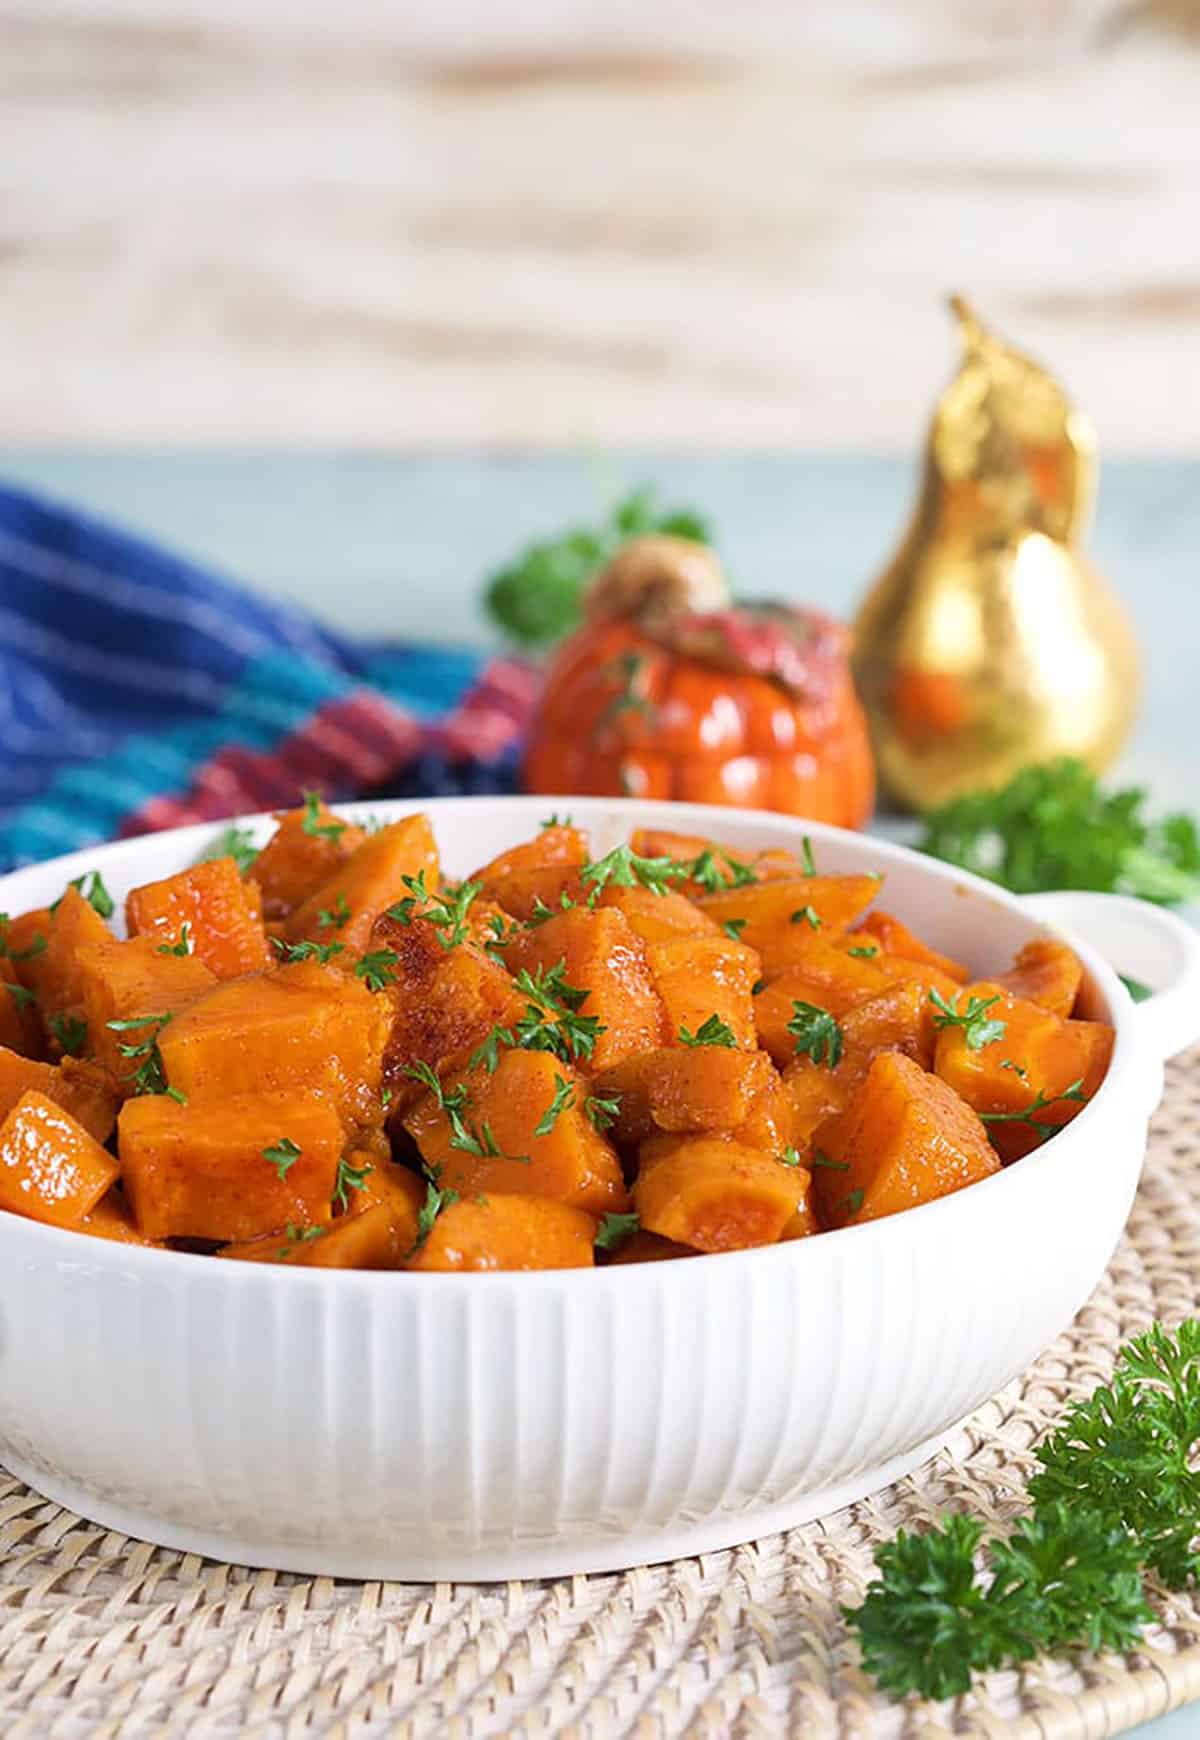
(100, 1635)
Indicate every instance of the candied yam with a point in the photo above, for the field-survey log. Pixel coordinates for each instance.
(370, 880)
(304, 851)
(538, 872)
(770, 913)
(25, 940)
(904, 1138)
(112, 1219)
(443, 1003)
(51, 1169)
(1045, 971)
(20, 1024)
(54, 974)
(123, 981)
(303, 1027)
(802, 1224)
(359, 1241)
(716, 1195)
(223, 927)
(658, 917)
(507, 1232)
(895, 938)
(202, 1172)
(82, 1089)
(1039, 1054)
(571, 1161)
(698, 977)
(681, 1088)
(599, 952)
(400, 1193)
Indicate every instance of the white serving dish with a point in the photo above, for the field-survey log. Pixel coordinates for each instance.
(491, 1426)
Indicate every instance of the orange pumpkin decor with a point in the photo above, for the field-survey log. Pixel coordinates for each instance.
(670, 691)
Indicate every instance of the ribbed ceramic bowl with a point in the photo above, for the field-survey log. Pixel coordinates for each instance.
(494, 1426)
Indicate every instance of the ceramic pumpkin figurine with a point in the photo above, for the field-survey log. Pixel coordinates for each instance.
(669, 690)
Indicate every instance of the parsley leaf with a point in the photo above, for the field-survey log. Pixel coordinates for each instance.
(820, 1158)
(348, 1178)
(299, 1235)
(183, 947)
(333, 918)
(436, 1202)
(715, 874)
(282, 1155)
(551, 1021)
(733, 928)
(308, 951)
(488, 1051)
(91, 886)
(816, 1032)
(602, 1113)
(375, 969)
(623, 868)
(564, 1098)
(150, 1077)
(865, 951)
(236, 843)
(311, 821)
(790, 1157)
(615, 1230)
(977, 1029)
(70, 1031)
(1044, 1128)
(807, 861)
(807, 915)
(714, 1031)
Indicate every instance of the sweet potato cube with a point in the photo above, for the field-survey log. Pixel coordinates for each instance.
(716, 1195)
(770, 913)
(20, 1024)
(698, 977)
(54, 973)
(1045, 971)
(443, 1002)
(678, 1088)
(82, 1089)
(204, 1172)
(1039, 1056)
(658, 917)
(112, 1219)
(223, 928)
(51, 1169)
(540, 870)
(306, 1027)
(304, 851)
(24, 941)
(568, 1160)
(600, 953)
(905, 1138)
(507, 1232)
(125, 981)
(895, 938)
(366, 884)
(400, 1193)
(359, 1241)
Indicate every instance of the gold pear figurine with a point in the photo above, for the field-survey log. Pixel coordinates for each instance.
(990, 641)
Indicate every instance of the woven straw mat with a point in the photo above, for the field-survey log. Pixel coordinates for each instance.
(101, 1635)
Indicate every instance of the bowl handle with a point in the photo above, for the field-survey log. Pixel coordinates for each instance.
(1146, 943)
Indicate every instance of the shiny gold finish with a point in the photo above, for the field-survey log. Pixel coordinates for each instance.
(990, 641)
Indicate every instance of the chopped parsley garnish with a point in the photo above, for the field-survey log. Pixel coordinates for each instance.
(308, 951)
(91, 886)
(564, 1098)
(436, 1202)
(21, 995)
(311, 820)
(299, 1235)
(446, 911)
(540, 912)
(790, 1157)
(184, 946)
(820, 1158)
(715, 874)
(554, 820)
(334, 917)
(758, 987)
(733, 928)
(150, 1077)
(854, 1202)
(807, 915)
(602, 1113)
(551, 1021)
(623, 868)
(977, 1029)
(816, 1032)
(348, 1178)
(375, 969)
(488, 1051)
(282, 1155)
(615, 1230)
(1017, 1069)
(865, 951)
(236, 843)
(71, 1031)
(1137, 990)
(714, 1031)
(1043, 1128)
(808, 862)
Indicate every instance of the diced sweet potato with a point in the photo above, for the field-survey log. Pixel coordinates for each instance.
(223, 928)
(895, 938)
(53, 974)
(1045, 971)
(600, 953)
(51, 1169)
(698, 977)
(772, 1124)
(681, 1088)
(25, 940)
(366, 884)
(508, 1232)
(359, 1241)
(1039, 1056)
(716, 1195)
(730, 861)
(905, 1138)
(124, 981)
(802, 1224)
(20, 1024)
(770, 913)
(537, 871)
(443, 1002)
(304, 851)
(569, 1161)
(400, 1193)
(82, 1089)
(112, 1218)
(306, 1027)
(658, 917)
(206, 1172)
(896, 1020)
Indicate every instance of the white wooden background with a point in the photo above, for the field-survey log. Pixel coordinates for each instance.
(586, 223)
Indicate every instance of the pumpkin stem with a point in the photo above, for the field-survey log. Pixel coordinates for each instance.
(657, 577)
